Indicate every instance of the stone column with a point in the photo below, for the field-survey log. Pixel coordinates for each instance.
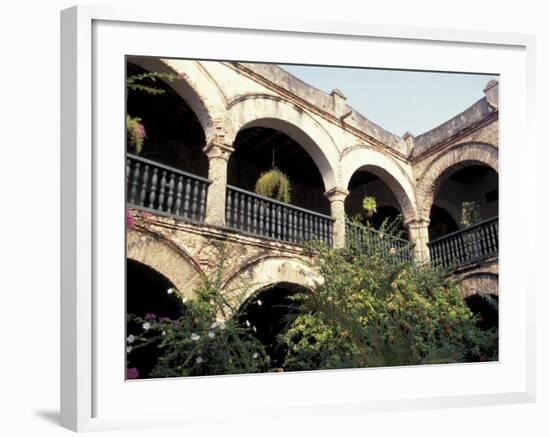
(337, 196)
(418, 233)
(218, 155)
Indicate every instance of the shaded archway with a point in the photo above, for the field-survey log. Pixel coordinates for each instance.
(441, 222)
(249, 111)
(485, 307)
(258, 149)
(365, 183)
(470, 189)
(174, 133)
(149, 294)
(269, 312)
(448, 162)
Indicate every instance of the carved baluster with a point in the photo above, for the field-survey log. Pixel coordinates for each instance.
(187, 197)
(278, 220)
(195, 200)
(144, 181)
(202, 201)
(179, 194)
(162, 188)
(170, 199)
(128, 174)
(153, 193)
(228, 206)
(135, 181)
(261, 217)
(248, 213)
(242, 211)
(255, 215)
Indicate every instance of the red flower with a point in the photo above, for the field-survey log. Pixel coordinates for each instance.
(447, 328)
(132, 373)
(130, 222)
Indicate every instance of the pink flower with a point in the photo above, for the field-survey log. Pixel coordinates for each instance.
(183, 76)
(150, 316)
(130, 222)
(132, 373)
(140, 130)
(164, 319)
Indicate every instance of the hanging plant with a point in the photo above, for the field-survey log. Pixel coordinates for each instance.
(470, 213)
(369, 205)
(135, 132)
(275, 185)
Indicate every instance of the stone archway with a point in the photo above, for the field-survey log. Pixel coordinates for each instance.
(482, 282)
(276, 113)
(203, 96)
(388, 170)
(266, 272)
(175, 264)
(461, 154)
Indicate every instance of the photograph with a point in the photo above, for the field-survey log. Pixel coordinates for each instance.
(288, 218)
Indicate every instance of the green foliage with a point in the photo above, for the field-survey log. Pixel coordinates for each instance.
(275, 185)
(373, 311)
(369, 204)
(135, 132)
(199, 343)
(470, 213)
(145, 82)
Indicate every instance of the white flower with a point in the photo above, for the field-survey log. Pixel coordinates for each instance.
(184, 300)
(259, 302)
(195, 337)
(164, 333)
(255, 355)
(392, 251)
(198, 360)
(211, 334)
(131, 339)
(254, 328)
(214, 325)
(222, 326)
(129, 349)
(146, 326)
(247, 323)
(170, 290)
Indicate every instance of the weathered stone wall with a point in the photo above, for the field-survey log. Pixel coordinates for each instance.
(228, 97)
(186, 252)
(479, 278)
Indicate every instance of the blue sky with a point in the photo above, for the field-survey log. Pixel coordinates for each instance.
(398, 100)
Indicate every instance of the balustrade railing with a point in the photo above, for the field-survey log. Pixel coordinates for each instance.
(370, 241)
(259, 215)
(160, 188)
(467, 245)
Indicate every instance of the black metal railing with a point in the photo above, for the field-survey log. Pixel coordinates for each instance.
(160, 188)
(370, 241)
(259, 215)
(467, 245)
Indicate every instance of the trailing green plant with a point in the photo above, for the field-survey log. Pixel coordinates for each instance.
(275, 185)
(369, 204)
(372, 311)
(145, 81)
(135, 132)
(206, 340)
(470, 213)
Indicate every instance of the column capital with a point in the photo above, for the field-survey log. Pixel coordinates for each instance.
(337, 194)
(417, 223)
(218, 150)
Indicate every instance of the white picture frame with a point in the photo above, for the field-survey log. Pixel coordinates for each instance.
(88, 402)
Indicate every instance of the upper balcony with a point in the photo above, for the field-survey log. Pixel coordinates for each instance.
(202, 168)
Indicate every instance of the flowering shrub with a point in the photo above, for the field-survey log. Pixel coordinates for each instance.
(373, 311)
(135, 133)
(199, 343)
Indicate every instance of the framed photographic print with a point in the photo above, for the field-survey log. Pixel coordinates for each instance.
(291, 218)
